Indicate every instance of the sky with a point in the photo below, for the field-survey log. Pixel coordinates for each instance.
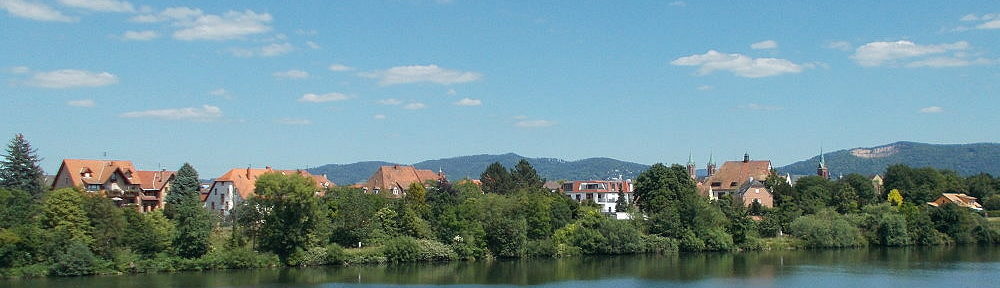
(227, 84)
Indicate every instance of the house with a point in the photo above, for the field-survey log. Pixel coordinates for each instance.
(754, 192)
(959, 199)
(116, 179)
(733, 175)
(228, 190)
(601, 192)
(392, 181)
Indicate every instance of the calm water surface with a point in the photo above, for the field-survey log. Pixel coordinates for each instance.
(900, 267)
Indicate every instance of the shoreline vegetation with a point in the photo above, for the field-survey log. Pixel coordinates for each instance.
(68, 232)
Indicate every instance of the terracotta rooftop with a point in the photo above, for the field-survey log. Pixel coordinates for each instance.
(734, 174)
(99, 170)
(154, 180)
(245, 179)
(959, 199)
(400, 177)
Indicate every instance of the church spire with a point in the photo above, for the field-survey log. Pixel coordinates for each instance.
(691, 167)
(711, 165)
(821, 169)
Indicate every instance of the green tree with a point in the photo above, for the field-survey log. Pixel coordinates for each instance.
(844, 198)
(148, 233)
(863, 188)
(350, 212)
(895, 198)
(621, 204)
(675, 209)
(183, 189)
(525, 176)
(981, 186)
(292, 212)
(496, 179)
(107, 223)
(19, 170)
(193, 223)
(63, 214)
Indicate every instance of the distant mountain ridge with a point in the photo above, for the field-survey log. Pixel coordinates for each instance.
(965, 159)
(472, 166)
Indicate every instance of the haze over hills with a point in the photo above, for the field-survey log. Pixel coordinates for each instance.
(473, 166)
(966, 159)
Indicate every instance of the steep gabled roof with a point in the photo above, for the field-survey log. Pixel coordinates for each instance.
(155, 180)
(100, 171)
(245, 179)
(400, 177)
(737, 172)
(959, 199)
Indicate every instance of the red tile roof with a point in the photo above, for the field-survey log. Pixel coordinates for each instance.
(100, 171)
(400, 177)
(959, 199)
(245, 179)
(737, 172)
(154, 180)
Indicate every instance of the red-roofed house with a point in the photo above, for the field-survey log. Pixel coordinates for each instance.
(393, 181)
(238, 184)
(959, 199)
(733, 175)
(118, 180)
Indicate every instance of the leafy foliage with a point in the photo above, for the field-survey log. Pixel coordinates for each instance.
(19, 170)
(292, 212)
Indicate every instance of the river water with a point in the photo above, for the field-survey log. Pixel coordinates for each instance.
(967, 266)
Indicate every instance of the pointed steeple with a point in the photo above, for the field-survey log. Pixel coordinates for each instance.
(711, 165)
(821, 169)
(691, 167)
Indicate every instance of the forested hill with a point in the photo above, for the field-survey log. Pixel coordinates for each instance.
(966, 159)
(471, 166)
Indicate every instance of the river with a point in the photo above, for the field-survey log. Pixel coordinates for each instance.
(967, 266)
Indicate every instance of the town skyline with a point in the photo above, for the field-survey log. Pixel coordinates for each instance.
(230, 84)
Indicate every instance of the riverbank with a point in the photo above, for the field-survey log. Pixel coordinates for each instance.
(952, 266)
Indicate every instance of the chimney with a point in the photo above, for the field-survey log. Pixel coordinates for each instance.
(746, 157)
(267, 167)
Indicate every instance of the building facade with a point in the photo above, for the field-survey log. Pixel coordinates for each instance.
(232, 188)
(117, 180)
(601, 192)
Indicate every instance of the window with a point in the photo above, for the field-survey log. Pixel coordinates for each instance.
(756, 190)
(568, 186)
(732, 184)
(93, 187)
(716, 184)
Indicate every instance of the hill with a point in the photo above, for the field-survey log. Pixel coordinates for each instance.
(966, 159)
(472, 166)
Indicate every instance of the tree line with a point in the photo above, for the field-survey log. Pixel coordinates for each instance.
(510, 215)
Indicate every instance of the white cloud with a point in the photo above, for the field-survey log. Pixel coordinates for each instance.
(520, 117)
(534, 123)
(270, 50)
(760, 107)
(291, 121)
(705, 87)
(81, 103)
(451, 92)
(995, 24)
(390, 101)
(741, 65)
(415, 74)
(766, 44)
(291, 74)
(193, 24)
(989, 21)
(931, 109)
(839, 45)
(340, 67)
(414, 106)
(939, 62)
(320, 98)
(100, 5)
(19, 69)
(221, 93)
(140, 35)
(312, 45)
(678, 4)
(205, 113)
(69, 78)
(890, 53)
(34, 11)
(378, 116)
(469, 102)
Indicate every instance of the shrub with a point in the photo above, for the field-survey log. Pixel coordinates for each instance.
(335, 254)
(827, 229)
(433, 251)
(659, 244)
(540, 248)
(691, 242)
(29, 271)
(369, 254)
(75, 260)
(401, 249)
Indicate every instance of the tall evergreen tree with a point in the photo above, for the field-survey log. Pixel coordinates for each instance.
(193, 223)
(496, 179)
(19, 170)
(525, 176)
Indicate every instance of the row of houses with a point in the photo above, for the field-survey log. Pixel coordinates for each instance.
(146, 190)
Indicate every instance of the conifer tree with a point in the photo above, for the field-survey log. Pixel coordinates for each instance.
(496, 179)
(525, 176)
(193, 223)
(19, 169)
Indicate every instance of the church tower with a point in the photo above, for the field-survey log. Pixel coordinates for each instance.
(691, 168)
(821, 169)
(711, 166)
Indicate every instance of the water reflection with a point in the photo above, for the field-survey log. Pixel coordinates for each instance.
(769, 268)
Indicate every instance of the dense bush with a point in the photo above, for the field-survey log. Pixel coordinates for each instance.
(402, 249)
(75, 260)
(433, 251)
(658, 244)
(827, 229)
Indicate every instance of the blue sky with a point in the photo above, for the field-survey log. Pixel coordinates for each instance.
(226, 84)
